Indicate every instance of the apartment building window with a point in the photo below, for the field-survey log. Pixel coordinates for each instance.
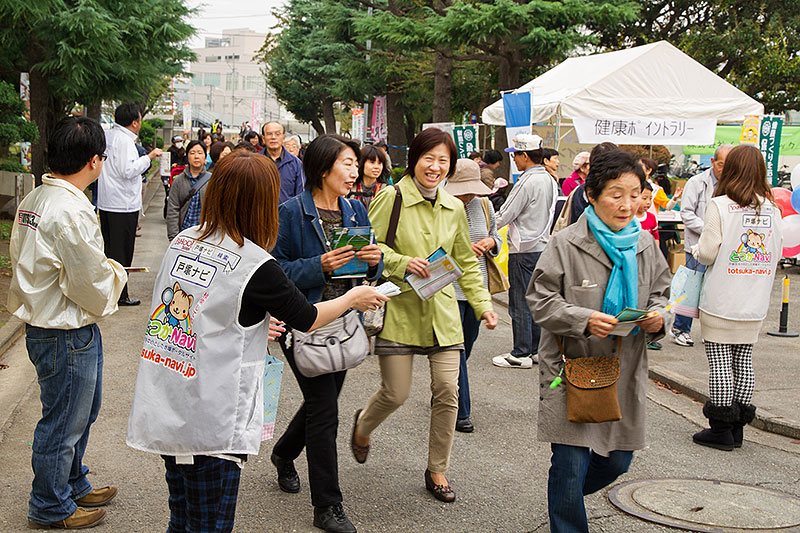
(212, 78)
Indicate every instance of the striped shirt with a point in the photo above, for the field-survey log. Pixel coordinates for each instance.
(476, 220)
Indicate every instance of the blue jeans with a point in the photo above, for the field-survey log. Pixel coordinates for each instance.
(575, 472)
(524, 330)
(684, 323)
(470, 326)
(69, 366)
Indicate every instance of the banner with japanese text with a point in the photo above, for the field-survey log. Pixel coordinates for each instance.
(789, 140)
(769, 144)
(187, 116)
(357, 130)
(466, 138)
(638, 130)
(255, 116)
(379, 127)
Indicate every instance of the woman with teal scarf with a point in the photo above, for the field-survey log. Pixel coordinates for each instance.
(588, 273)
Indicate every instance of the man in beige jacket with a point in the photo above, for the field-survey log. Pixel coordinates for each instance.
(62, 285)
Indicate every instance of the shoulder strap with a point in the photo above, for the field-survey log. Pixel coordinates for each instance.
(485, 206)
(391, 233)
(202, 180)
(561, 346)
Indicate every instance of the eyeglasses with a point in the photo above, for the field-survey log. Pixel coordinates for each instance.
(102, 157)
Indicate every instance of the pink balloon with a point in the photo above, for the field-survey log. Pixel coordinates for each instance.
(791, 252)
(783, 197)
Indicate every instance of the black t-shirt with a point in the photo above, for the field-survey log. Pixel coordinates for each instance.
(271, 291)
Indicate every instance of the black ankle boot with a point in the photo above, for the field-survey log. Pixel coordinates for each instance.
(332, 519)
(288, 480)
(721, 419)
(747, 412)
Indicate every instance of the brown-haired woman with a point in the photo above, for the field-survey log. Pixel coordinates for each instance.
(741, 242)
(430, 218)
(198, 397)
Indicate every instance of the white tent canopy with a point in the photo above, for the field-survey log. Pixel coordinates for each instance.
(655, 80)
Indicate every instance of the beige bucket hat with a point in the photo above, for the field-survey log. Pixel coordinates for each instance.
(466, 179)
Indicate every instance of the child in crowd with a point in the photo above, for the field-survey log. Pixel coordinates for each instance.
(646, 218)
(649, 223)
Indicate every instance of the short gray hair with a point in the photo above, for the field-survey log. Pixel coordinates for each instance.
(722, 148)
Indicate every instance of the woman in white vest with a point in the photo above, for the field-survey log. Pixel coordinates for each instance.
(198, 398)
(741, 242)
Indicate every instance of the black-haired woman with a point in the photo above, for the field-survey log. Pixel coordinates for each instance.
(430, 218)
(372, 175)
(185, 201)
(588, 273)
(306, 226)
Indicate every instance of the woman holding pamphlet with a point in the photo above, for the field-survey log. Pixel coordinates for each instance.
(589, 273)
(424, 236)
(199, 396)
(309, 251)
(741, 243)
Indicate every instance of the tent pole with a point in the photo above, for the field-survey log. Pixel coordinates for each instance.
(558, 128)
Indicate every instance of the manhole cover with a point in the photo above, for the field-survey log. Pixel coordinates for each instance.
(707, 505)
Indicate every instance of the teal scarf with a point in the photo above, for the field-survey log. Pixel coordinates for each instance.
(623, 285)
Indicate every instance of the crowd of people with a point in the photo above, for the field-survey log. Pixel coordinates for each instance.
(252, 258)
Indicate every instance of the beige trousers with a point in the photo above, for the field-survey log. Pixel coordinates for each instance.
(395, 385)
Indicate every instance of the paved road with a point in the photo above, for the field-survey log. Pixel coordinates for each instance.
(499, 472)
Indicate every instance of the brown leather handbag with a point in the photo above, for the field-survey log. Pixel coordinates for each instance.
(592, 387)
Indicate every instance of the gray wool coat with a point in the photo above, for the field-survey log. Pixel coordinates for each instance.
(561, 303)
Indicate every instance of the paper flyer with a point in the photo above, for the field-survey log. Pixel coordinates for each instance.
(443, 271)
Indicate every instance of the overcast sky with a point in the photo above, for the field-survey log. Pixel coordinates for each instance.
(217, 15)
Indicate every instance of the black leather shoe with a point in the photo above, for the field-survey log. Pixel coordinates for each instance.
(464, 425)
(288, 480)
(128, 301)
(333, 519)
(443, 493)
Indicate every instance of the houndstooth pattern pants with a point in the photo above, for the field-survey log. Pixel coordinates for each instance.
(730, 373)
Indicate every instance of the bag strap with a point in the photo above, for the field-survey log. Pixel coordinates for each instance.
(561, 346)
(485, 206)
(202, 180)
(391, 233)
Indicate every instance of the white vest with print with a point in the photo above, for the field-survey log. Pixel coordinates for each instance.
(200, 383)
(738, 285)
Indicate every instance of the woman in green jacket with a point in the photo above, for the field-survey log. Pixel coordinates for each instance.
(429, 218)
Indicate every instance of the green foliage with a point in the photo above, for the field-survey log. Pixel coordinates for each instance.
(11, 166)
(157, 123)
(159, 142)
(147, 133)
(397, 174)
(13, 127)
(753, 45)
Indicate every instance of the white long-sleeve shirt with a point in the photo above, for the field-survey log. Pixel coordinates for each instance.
(61, 277)
(119, 188)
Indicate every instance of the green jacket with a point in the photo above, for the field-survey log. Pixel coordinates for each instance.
(422, 229)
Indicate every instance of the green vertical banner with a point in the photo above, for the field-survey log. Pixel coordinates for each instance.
(466, 140)
(769, 143)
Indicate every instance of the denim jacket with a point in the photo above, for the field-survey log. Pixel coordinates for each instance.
(301, 242)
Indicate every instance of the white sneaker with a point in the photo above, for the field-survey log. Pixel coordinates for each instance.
(681, 338)
(509, 361)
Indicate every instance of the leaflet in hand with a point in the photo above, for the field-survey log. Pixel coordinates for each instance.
(388, 289)
(628, 319)
(443, 271)
(358, 237)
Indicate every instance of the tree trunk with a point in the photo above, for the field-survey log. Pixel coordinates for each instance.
(93, 111)
(39, 114)
(328, 116)
(442, 85)
(396, 132)
(501, 142)
(317, 125)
